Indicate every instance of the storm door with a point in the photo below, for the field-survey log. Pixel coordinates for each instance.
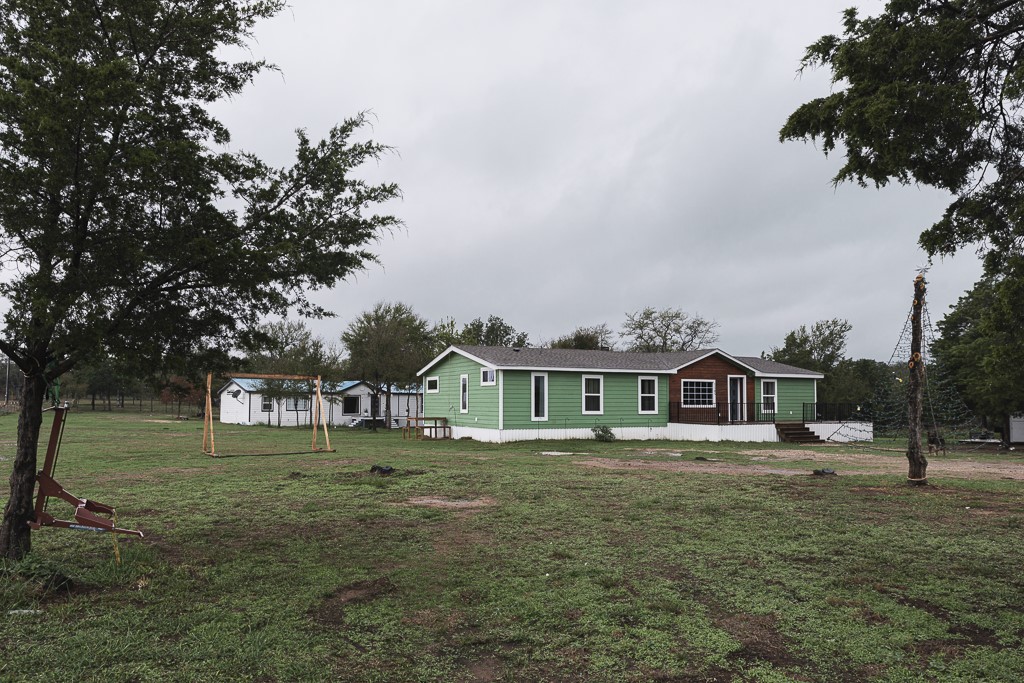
(737, 390)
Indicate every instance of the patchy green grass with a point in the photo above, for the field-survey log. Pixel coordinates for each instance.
(477, 562)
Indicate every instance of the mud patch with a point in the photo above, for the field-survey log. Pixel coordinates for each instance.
(332, 610)
(485, 670)
(759, 638)
(451, 503)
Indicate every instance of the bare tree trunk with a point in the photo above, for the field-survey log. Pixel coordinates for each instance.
(15, 535)
(917, 474)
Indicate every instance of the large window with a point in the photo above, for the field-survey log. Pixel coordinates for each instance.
(486, 377)
(463, 393)
(699, 392)
(539, 397)
(296, 403)
(648, 395)
(266, 404)
(593, 394)
(769, 391)
(350, 405)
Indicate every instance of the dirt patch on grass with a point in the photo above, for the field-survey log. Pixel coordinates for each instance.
(451, 503)
(332, 610)
(844, 461)
(759, 638)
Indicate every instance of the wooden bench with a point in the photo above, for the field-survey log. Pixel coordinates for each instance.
(426, 428)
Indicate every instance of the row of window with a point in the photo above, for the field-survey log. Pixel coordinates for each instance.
(593, 393)
(701, 392)
(695, 393)
(290, 404)
(349, 404)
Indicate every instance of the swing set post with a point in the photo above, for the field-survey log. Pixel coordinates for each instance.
(319, 414)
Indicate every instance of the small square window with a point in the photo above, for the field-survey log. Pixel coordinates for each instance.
(433, 385)
(486, 377)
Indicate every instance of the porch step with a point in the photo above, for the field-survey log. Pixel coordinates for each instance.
(796, 433)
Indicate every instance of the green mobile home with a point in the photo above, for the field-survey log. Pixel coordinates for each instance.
(503, 394)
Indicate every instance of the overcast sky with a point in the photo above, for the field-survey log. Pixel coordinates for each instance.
(564, 162)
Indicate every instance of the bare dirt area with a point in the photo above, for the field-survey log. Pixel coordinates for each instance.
(451, 503)
(788, 462)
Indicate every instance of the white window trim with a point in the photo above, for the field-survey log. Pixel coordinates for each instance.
(774, 395)
(600, 394)
(266, 404)
(714, 394)
(463, 393)
(494, 377)
(533, 396)
(437, 385)
(640, 395)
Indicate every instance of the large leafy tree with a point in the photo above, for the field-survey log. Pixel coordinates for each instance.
(492, 332)
(594, 338)
(930, 91)
(821, 348)
(126, 227)
(981, 345)
(387, 346)
(667, 329)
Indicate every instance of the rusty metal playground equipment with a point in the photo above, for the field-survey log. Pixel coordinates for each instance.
(89, 515)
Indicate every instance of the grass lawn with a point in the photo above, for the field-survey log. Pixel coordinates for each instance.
(478, 562)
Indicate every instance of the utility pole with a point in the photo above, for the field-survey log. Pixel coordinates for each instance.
(917, 475)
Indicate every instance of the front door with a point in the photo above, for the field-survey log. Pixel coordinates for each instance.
(737, 387)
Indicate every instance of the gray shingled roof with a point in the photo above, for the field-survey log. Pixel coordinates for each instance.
(770, 367)
(505, 357)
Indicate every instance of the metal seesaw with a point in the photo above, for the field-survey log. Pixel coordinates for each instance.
(88, 513)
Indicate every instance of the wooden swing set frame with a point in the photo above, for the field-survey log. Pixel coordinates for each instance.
(319, 416)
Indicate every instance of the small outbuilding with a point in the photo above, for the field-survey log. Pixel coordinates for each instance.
(248, 401)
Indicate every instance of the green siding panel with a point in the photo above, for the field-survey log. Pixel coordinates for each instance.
(793, 394)
(565, 401)
(483, 400)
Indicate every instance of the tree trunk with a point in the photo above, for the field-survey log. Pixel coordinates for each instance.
(15, 535)
(387, 409)
(917, 474)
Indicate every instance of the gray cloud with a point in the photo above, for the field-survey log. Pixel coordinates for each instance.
(563, 163)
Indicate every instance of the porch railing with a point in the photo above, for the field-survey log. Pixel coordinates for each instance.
(721, 413)
(836, 412)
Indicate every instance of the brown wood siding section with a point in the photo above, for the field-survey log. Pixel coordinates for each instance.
(713, 367)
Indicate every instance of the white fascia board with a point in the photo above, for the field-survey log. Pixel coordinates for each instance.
(455, 349)
(229, 383)
(772, 375)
